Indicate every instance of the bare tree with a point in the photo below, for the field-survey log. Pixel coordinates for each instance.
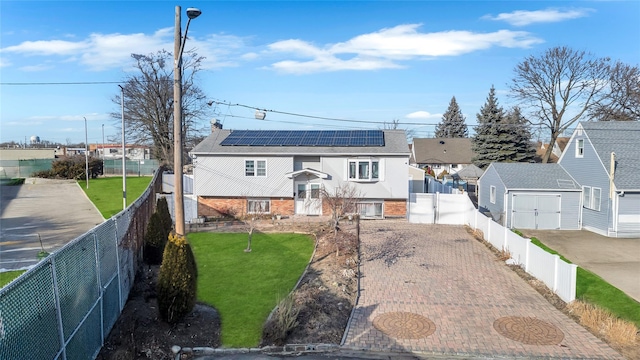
(255, 212)
(148, 105)
(622, 101)
(341, 200)
(559, 87)
(395, 125)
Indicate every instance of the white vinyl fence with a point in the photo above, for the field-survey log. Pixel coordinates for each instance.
(457, 209)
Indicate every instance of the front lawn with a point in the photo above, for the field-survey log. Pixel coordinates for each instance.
(106, 193)
(7, 276)
(244, 287)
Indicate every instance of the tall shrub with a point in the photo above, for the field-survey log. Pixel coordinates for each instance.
(162, 208)
(155, 240)
(177, 281)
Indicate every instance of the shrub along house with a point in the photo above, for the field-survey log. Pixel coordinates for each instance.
(282, 172)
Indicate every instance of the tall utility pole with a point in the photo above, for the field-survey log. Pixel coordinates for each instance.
(124, 155)
(178, 48)
(86, 152)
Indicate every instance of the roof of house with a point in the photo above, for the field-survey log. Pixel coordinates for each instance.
(534, 176)
(443, 151)
(469, 172)
(541, 148)
(394, 143)
(622, 138)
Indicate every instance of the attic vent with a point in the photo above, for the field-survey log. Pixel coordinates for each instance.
(566, 184)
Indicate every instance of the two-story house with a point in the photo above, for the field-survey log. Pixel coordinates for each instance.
(282, 172)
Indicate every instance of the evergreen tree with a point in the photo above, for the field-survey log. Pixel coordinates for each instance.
(453, 123)
(520, 132)
(490, 139)
(177, 280)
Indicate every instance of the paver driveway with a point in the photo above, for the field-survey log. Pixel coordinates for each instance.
(434, 289)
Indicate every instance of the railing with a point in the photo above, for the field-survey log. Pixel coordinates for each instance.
(65, 306)
(457, 209)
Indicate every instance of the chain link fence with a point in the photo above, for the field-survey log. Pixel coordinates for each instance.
(23, 168)
(65, 306)
(133, 167)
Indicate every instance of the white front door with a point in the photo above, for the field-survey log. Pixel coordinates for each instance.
(308, 200)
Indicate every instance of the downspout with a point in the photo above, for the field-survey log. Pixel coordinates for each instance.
(612, 175)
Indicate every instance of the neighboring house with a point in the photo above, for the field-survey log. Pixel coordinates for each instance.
(114, 151)
(530, 196)
(604, 157)
(556, 152)
(601, 159)
(282, 172)
(416, 179)
(442, 154)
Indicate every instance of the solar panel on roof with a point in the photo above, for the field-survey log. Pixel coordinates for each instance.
(342, 138)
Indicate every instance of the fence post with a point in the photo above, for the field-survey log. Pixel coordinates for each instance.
(99, 280)
(56, 297)
(527, 255)
(572, 284)
(556, 258)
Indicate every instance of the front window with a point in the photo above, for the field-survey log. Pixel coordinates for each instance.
(492, 194)
(255, 168)
(364, 170)
(370, 209)
(258, 206)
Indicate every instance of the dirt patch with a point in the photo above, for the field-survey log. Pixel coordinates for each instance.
(325, 297)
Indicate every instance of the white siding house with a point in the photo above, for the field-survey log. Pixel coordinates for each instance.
(283, 171)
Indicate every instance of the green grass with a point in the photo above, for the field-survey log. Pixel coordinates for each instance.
(12, 181)
(595, 290)
(8, 276)
(106, 193)
(244, 287)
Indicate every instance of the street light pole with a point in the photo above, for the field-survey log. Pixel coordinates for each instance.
(124, 154)
(178, 48)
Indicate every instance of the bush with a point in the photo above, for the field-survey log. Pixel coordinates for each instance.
(162, 208)
(155, 240)
(72, 167)
(442, 174)
(177, 280)
(283, 320)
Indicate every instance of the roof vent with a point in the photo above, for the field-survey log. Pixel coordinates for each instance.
(441, 142)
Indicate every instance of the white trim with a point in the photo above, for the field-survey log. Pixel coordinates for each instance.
(579, 149)
(492, 194)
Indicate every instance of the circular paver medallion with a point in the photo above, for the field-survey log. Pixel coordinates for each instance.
(528, 330)
(404, 325)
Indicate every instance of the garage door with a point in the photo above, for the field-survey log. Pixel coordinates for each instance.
(532, 211)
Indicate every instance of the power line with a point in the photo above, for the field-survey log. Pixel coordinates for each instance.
(61, 83)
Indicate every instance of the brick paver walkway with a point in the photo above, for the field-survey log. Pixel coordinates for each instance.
(443, 274)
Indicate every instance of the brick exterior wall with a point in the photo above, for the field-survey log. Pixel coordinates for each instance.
(395, 208)
(215, 206)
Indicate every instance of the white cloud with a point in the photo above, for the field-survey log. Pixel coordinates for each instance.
(385, 48)
(105, 51)
(36, 68)
(422, 115)
(524, 17)
(4, 62)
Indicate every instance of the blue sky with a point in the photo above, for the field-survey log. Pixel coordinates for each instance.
(371, 62)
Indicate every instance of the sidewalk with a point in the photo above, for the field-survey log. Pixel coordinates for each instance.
(435, 290)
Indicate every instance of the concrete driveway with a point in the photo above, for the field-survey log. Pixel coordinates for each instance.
(616, 260)
(57, 210)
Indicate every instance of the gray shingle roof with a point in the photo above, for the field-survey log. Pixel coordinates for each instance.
(623, 138)
(443, 151)
(535, 176)
(395, 143)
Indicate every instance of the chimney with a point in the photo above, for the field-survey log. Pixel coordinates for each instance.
(215, 125)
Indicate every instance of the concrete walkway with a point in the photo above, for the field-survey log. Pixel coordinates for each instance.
(57, 210)
(617, 260)
(434, 289)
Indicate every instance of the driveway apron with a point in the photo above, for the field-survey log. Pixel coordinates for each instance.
(434, 289)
